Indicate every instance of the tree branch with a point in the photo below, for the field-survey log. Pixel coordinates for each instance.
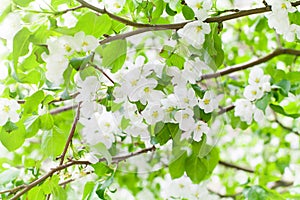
(72, 96)
(226, 164)
(219, 19)
(103, 72)
(76, 162)
(72, 131)
(62, 109)
(243, 66)
(284, 126)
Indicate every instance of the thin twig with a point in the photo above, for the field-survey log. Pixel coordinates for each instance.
(218, 19)
(76, 162)
(103, 72)
(72, 131)
(63, 109)
(226, 164)
(285, 127)
(72, 96)
(243, 66)
(226, 109)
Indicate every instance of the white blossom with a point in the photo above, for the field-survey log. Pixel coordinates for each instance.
(200, 128)
(200, 8)
(185, 119)
(194, 33)
(85, 42)
(114, 6)
(209, 102)
(243, 109)
(10, 26)
(56, 64)
(153, 114)
(253, 92)
(8, 111)
(193, 70)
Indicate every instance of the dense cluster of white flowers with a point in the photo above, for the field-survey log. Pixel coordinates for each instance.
(258, 85)
(279, 19)
(194, 32)
(61, 48)
(141, 83)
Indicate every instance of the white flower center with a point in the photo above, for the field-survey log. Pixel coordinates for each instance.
(185, 116)
(6, 109)
(206, 101)
(155, 114)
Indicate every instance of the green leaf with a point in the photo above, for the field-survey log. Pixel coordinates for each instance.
(164, 131)
(293, 77)
(169, 11)
(20, 45)
(36, 193)
(114, 55)
(32, 102)
(80, 63)
(159, 9)
(263, 102)
(101, 189)
(46, 121)
(255, 193)
(88, 188)
(32, 77)
(14, 139)
(213, 54)
(188, 13)
(212, 159)
(32, 125)
(53, 143)
(172, 59)
(177, 165)
(92, 24)
(9, 126)
(195, 169)
(280, 110)
(284, 86)
(101, 169)
(22, 3)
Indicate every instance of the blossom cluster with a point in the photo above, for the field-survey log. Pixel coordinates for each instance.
(258, 85)
(61, 48)
(279, 19)
(142, 83)
(194, 32)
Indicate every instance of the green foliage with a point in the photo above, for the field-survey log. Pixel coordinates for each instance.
(13, 139)
(213, 47)
(22, 3)
(92, 24)
(188, 13)
(114, 55)
(20, 45)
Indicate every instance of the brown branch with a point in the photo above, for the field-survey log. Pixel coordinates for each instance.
(103, 72)
(243, 66)
(63, 109)
(226, 109)
(285, 127)
(75, 162)
(72, 96)
(131, 33)
(72, 131)
(14, 190)
(218, 19)
(226, 164)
